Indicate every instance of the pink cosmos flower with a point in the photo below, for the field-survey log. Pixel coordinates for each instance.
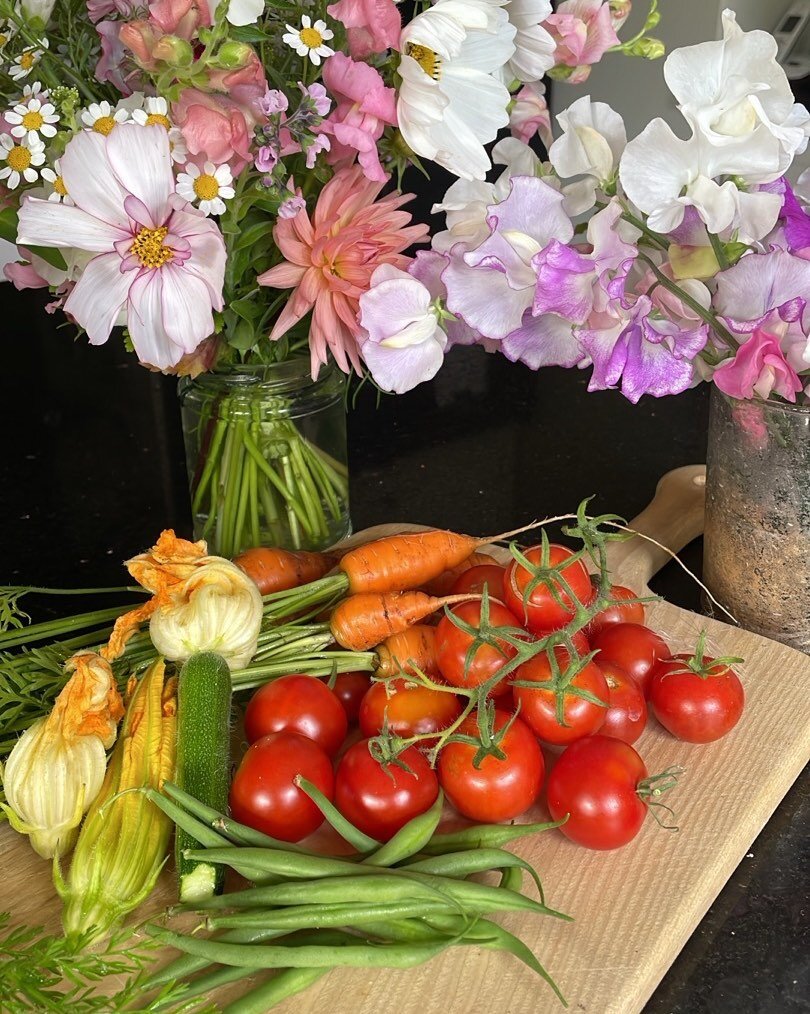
(373, 25)
(330, 258)
(364, 107)
(583, 30)
(214, 128)
(157, 258)
(760, 368)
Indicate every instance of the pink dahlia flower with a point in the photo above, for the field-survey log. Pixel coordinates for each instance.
(158, 260)
(331, 257)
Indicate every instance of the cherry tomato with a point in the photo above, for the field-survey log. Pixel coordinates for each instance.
(633, 647)
(595, 782)
(538, 708)
(350, 688)
(410, 710)
(380, 800)
(696, 708)
(541, 611)
(626, 717)
(452, 644)
(498, 789)
(264, 794)
(621, 612)
(300, 704)
(474, 580)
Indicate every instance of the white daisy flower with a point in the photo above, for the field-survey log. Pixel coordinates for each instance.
(208, 187)
(21, 159)
(177, 146)
(34, 91)
(23, 64)
(7, 32)
(156, 110)
(32, 118)
(101, 117)
(58, 191)
(308, 40)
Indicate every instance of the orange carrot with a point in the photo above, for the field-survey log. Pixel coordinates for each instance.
(442, 584)
(276, 570)
(409, 560)
(362, 621)
(410, 650)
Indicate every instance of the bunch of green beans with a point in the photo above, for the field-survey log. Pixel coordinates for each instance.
(392, 905)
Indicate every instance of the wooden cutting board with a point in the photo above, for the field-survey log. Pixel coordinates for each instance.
(634, 908)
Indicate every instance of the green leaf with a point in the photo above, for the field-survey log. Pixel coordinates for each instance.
(254, 234)
(248, 309)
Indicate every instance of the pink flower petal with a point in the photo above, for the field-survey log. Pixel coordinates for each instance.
(147, 327)
(41, 222)
(91, 186)
(141, 161)
(99, 295)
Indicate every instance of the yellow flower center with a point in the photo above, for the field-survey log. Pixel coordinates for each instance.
(19, 158)
(158, 118)
(27, 60)
(149, 249)
(32, 120)
(429, 61)
(311, 37)
(59, 186)
(3, 40)
(104, 124)
(206, 187)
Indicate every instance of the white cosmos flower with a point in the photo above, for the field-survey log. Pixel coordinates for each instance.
(591, 145)
(208, 187)
(23, 64)
(450, 104)
(738, 98)
(156, 110)
(309, 39)
(32, 118)
(21, 158)
(58, 191)
(534, 46)
(244, 12)
(102, 118)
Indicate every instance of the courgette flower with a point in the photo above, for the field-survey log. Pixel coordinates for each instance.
(56, 768)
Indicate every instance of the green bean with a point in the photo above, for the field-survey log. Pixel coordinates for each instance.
(463, 864)
(285, 864)
(410, 839)
(353, 835)
(284, 984)
(484, 836)
(187, 964)
(311, 916)
(511, 878)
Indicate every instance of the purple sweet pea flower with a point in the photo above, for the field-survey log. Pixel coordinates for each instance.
(427, 267)
(795, 218)
(764, 288)
(547, 340)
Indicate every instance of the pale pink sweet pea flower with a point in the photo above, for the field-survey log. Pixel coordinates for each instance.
(583, 31)
(214, 128)
(156, 258)
(530, 115)
(364, 107)
(373, 25)
(758, 368)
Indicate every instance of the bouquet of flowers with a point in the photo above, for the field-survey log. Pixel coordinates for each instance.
(215, 179)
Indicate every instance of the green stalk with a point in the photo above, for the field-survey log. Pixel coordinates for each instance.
(210, 464)
(253, 502)
(292, 515)
(53, 628)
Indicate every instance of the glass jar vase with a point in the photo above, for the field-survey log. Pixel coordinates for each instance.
(757, 534)
(266, 456)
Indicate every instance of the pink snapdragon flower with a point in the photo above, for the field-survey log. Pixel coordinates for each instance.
(182, 18)
(244, 86)
(372, 25)
(364, 107)
(583, 31)
(215, 129)
(330, 258)
(758, 368)
(111, 65)
(157, 260)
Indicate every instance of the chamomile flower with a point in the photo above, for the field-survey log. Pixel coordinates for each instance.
(208, 187)
(156, 110)
(309, 39)
(21, 160)
(58, 191)
(23, 64)
(31, 118)
(7, 32)
(34, 91)
(101, 117)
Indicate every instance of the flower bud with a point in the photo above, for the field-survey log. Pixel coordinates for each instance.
(173, 51)
(647, 48)
(56, 768)
(234, 55)
(40, 10)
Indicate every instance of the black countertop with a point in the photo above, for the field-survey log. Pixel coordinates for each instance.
(92, 468)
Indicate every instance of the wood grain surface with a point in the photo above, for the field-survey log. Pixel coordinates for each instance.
(634, 908)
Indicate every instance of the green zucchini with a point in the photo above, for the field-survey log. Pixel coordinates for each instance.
(204, 692)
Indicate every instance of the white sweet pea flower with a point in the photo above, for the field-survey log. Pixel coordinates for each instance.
(738, 98)
(41, 9)
(534, 46)
(244, 12)
(591, 145)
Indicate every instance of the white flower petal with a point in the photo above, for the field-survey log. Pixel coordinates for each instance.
(139, 157)
(42, 223)
(99, 294)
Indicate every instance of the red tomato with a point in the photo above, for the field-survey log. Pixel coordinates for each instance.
(595, 782)
(696, 708)
(538, 708)
(541, 611)
(633, 647)
(452, 644)
(412, 709)
(301, 704)
(264, 794)
(622, 612)
(626, 717)
(474, 580)
(380, 800)
(498, 789)
(350, 688)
